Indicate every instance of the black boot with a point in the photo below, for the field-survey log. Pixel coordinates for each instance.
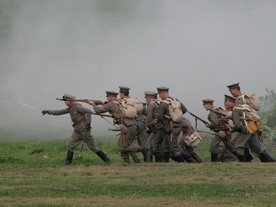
(247, 154)
(166, 157)
(187, 157)
(214, 157)
(193, 154)
(103, 156)
(196, 157)
(69, 157)
(265, 157)
(145, 154)
(241, 158)
(178, 158)
(158, 157)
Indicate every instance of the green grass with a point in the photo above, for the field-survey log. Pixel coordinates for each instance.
(33, 174)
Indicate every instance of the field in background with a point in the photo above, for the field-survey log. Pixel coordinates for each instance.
(33, 174)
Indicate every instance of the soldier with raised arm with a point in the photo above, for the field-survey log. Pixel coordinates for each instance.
(81, 119)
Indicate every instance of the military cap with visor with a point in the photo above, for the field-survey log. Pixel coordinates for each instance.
(124, 88)
(161, 89)
(229, 98)
(235, 85)
(208, 100)
(111, 93)
(68, 97)
(151, 94)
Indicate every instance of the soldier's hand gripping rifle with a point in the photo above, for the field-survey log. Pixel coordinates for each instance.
(97, 102)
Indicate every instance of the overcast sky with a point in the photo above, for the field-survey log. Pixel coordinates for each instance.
(86, 47)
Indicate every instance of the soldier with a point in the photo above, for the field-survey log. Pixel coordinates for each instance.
(188, 151)
(245, 136)
(141, 136)
(81, 118)
(171, 128)
(220, 125)
(155, 130)
(127, 125)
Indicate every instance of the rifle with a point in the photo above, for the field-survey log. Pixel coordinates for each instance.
(200, 119)
(115, 130)
(103, 115)
(219, 127)
(97, 102)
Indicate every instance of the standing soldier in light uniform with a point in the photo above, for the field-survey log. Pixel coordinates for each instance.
(129, 142)
(171, 129)
(245, 137)
(81, 118)
(155, 130)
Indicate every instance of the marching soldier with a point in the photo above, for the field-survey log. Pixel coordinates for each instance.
(155, 130)
(127, 125)
(220, 125)
(245, 134)
(137, 123)
(81, 118)
(171, 128)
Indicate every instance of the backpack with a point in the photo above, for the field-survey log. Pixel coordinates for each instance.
(249, 113)
(252, 100)
(137, 104)
(175, 110)
(127, 110)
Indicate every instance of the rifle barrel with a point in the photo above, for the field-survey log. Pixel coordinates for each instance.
(202, 120)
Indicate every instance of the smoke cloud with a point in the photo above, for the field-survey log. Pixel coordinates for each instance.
(85, 47)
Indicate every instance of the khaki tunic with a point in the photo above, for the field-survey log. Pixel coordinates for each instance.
(157, 135)
(171, 130)
(128, 128)
(80, 117)
(217, 119)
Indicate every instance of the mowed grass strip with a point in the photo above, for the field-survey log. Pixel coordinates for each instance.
(33, 174)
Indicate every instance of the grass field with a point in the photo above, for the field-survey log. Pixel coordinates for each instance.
(33, 174)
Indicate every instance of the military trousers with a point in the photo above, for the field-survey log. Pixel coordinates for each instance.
(84, 135)
(251, 139)
(127, 142)
(215, 142)
(170, 142)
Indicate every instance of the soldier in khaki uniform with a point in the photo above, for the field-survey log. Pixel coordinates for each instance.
(127, 126)
(171, 129)
(128, 142)
(245, 137)
(220, 125)
(188, 152)
(156, 134)
(81, 118)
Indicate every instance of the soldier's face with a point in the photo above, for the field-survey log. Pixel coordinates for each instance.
(208, 106)
(234, 92)
(67, 103)
(228, 104)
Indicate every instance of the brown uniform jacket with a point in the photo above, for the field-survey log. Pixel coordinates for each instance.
(78, 113)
